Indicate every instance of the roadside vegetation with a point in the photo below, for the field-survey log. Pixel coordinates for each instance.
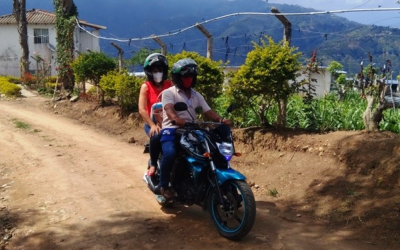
(264, 90)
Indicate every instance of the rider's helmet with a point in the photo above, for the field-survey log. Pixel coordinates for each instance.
(184, 68)
(155, 60)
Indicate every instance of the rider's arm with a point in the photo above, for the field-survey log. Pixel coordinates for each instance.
(170, 111)
(212, 115)
(143, 106)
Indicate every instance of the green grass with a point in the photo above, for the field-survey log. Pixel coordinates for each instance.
(273, 192)
(21, 124)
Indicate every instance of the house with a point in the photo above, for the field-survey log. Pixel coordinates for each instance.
(323, 78)
(41, 42)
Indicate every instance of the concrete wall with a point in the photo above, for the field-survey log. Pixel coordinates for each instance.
(10, 49)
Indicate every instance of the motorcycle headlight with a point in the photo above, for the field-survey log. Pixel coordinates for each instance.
(226, 149)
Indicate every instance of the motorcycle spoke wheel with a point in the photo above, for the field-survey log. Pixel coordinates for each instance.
(235, 218)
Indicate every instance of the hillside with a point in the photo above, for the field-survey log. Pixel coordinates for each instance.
(334, 38)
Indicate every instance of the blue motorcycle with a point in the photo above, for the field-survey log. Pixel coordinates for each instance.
(202, 175)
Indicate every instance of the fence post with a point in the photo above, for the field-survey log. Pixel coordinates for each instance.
(209, 39)
(161, 43)
(287, 34)
(120, 56)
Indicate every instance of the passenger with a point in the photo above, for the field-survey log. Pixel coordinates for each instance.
(156, 70)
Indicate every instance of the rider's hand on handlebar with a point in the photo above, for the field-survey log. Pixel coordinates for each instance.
(179, 122)
(226, 122)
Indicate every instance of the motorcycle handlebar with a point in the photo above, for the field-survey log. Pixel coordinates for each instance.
(194, 124)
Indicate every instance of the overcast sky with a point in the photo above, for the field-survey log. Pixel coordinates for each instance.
(383, 18)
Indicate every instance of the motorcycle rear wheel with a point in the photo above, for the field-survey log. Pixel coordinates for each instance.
(235, 218)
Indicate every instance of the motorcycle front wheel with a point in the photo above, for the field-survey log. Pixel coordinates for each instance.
(235, 218)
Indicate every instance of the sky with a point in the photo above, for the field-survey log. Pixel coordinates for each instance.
(381, 18)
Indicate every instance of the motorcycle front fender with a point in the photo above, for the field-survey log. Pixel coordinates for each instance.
(229, 174)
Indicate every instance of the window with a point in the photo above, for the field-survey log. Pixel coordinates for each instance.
(41, 35)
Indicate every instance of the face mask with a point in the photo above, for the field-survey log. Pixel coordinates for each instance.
(157, 77)
(187, 82)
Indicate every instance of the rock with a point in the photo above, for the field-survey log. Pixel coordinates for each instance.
(74, 99)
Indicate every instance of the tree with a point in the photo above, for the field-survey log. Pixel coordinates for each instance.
(210, 78)
(66, 15)
(264, 77)
(19, 9)
(139, 57)
(338, 78)
(92, 66)
(375, 90)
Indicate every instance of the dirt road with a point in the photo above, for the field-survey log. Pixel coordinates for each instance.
(65, 185)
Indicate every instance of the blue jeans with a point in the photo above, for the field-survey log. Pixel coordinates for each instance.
(169, 154)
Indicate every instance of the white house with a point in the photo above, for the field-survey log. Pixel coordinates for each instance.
(41, 41)
(323, 78)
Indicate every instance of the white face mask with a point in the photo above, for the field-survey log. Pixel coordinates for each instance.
(157, 77)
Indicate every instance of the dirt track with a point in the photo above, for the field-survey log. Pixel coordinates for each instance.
(65, 185)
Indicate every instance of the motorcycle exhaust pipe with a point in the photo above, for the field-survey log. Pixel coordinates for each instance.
(150, 184)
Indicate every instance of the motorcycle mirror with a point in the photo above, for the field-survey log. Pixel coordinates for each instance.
(230, 108)
(180, 106)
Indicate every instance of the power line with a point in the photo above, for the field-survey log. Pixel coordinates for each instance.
(231, 15)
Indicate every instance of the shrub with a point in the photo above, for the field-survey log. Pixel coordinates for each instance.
(108, 82)
(9, 89)
(13, 79)
(28, 79)
(127, 90)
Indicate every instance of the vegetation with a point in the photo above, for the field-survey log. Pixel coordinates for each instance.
(21, 124)
(210, 78)
(92, 66)
(264, 78)
(19, 10)
(122, 86)
(66, 14)
(8, 88)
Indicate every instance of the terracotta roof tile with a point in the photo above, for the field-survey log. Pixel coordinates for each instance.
(35, 16)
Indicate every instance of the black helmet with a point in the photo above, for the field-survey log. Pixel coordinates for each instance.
(184, 67)
(155, 60)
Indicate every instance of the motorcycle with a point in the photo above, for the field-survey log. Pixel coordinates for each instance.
(202, 175)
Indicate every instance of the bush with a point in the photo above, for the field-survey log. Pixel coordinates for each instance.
(9, 89)
(108, 82)
(127, 90)
(13, 79)
(28, 79)
(123, 86)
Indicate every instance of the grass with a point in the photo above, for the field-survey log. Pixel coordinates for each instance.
(273, 192)
(21, 125)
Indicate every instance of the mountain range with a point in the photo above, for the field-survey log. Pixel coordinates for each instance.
(235, 26)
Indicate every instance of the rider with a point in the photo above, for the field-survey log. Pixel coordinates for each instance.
(156, 70)
(184, 76)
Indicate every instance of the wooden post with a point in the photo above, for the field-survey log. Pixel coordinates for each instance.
(209, 39)
(161, 43)
(120, 56)
(287, 35)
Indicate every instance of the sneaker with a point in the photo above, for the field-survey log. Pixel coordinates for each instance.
(166, 193)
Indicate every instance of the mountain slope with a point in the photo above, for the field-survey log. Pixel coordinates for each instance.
(333, 37)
